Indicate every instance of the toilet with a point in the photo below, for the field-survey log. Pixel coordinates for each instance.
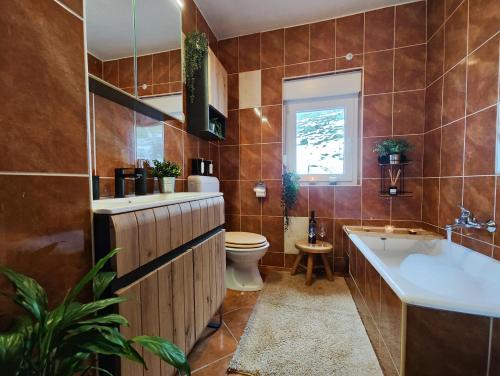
(243, 252)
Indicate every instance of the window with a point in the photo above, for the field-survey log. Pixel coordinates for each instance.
(321, 132)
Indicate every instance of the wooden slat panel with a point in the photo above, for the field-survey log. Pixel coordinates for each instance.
(189, 300)
(187, 222)
(198, 290)
(131, 310)
(204, 216)
(178, 302)
(196, 216)
(147, 235)
(222, 217)
(207, 308)
(217, 262)
(124, 234)
(213, 276)
(162, 230)
(215, 204)
(223, 264)
(211, 216)
(150, 320)
(175, 226)
(165, 289)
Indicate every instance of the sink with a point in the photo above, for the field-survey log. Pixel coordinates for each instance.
(132, 203)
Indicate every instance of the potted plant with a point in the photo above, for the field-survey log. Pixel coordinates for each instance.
(289, 192)
(62, 341)
(166, 172)
(195, 51)
(392, 148)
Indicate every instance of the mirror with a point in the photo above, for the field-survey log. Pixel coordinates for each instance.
(150, 30)
(135, 69)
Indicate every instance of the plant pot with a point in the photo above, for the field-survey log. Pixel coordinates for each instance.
(395, 158)
(393, 190)
(167, 184)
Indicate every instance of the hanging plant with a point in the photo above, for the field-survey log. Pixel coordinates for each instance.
(289, 193)
(195, 50)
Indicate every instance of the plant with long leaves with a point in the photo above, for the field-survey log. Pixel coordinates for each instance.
(196, 48)
(62, 341)
(289, 192)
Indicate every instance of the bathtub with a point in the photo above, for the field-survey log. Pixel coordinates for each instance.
(434, 273)
(424, 301)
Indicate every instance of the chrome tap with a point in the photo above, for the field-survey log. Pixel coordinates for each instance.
(467, 220)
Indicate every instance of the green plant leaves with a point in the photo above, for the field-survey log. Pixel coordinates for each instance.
(29, 294)
(14, 346)
(90, 276)
(195, 50)
(166, 169)
(289, 191)
(165, 350)
(101, 282)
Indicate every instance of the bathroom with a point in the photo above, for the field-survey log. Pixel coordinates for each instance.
(227, 97)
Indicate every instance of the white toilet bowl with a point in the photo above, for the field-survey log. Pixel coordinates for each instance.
(244, 250)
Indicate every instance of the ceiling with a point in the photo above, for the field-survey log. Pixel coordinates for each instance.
(230, 18)
(110, 29)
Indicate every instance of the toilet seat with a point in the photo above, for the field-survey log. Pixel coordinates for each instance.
(245, 246)
(244, 238)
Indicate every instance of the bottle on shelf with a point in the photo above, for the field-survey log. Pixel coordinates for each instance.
(312, 229)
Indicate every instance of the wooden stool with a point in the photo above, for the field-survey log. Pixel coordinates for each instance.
(320, 248)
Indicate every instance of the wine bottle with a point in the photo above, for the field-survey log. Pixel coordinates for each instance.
(312, 229)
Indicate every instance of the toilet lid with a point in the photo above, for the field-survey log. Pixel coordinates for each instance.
(245, 246)
(246, 239)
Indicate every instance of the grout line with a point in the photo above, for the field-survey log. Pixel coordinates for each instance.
(71, 10)
(211, 363)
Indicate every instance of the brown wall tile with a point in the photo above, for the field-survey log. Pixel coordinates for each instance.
(250, 162)
(409, 68)
(455, 37)
(454, 94)
(271, 80)
(435, 16)
(250, 125)
(296, 44)
(227, 50)
(271, 161)
(321, 200)
(349, 35)
(410, 28)
(249, 52)
(484, 18)
(272, 123)
(229, 162)
(409, 111)
(379, 72)
(452, 149)
(430, 206)
(273, 50)
(450, 195)
(322, 40)
(480, 143)
(347, 202)
(377, 115)
(435, 57)
(379, 29)
(432, 150)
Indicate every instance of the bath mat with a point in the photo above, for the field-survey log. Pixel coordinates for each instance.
(298, 330)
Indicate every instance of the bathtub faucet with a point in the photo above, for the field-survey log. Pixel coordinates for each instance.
(467, 220)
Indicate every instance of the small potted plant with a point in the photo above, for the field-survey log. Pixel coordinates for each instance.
(166, 172)
(289, 192)
(394, 149)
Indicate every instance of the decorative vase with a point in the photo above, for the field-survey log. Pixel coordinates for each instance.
(395, 158)
(167, 184)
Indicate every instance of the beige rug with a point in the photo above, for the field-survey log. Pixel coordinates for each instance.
(298, 330)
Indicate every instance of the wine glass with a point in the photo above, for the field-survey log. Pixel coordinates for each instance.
(322, 231)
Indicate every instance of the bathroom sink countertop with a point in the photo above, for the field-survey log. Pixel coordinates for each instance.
(122, 205)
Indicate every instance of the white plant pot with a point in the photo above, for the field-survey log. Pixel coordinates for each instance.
(167, 184)
(395, 158)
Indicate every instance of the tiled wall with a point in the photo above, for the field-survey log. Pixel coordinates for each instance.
(114, 124)
(160, 72)
(44, 176)
(461, 117)
(390, 44)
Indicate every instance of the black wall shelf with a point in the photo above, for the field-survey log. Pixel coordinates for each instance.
(199, 112)
(385, 180)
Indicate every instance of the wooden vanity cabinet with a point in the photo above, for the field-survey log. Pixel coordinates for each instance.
(172, 272)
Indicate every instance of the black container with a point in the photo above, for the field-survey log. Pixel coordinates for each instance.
(197, 166)
(208, 170)
(140, 176)
(96, 193)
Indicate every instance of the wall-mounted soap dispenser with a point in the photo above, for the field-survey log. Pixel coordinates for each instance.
(260, 189)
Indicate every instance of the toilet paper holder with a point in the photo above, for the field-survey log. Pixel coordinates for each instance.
(260, 189)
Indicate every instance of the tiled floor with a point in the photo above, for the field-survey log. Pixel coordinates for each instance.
(212, 354)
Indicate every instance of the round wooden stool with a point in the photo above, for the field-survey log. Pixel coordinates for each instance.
(310, 250)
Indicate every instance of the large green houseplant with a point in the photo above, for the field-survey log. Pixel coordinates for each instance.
(62, 341)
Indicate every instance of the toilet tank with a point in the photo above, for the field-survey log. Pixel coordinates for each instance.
(198, 183)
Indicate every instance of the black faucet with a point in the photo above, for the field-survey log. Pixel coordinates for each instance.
(140, 176)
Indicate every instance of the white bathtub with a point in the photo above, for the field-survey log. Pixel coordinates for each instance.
(435, 273)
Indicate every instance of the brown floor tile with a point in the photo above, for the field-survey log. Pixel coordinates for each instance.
(238, 299)
(236, 321)
(218, 368)
(211, 348)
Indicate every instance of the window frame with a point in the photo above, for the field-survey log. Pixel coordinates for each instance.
(350, 103)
